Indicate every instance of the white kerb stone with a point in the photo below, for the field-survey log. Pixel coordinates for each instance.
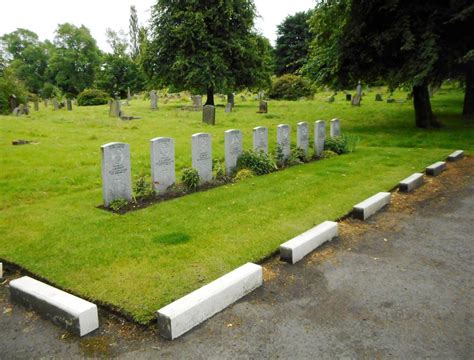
(370, 206)
(411, 182)
(319, 137)
(163, 172)
(335, 127)
(283, 139)
(297, 248)
(116, 172)
(457, 155)
(202, 155)
(302, 136)
(260, 139)
(436, 168)
(1, 270)
(233, 149)
(68, 310)
(182, 315)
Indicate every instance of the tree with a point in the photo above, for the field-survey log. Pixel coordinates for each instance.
(205, 46)
(292, 43)
(400, 41)
(134, 33)
(75, 59)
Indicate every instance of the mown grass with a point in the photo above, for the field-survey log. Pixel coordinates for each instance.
(141, 261)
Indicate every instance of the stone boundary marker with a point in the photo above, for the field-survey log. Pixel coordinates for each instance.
(183, 314)
(455, 156)
(411, 182)
(1, 271)
(370, 206)
(297, 248)
(436, 169)
(76, 314)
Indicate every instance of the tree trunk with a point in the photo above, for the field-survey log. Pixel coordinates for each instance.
(424, 117)
(210, 96)
(468, 108)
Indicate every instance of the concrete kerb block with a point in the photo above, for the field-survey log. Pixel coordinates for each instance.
(297, 248)
(411, 182)
(75, 314)
(1, 271)
(436, 168)
(368, 207)
(183, 314)
(457, 155)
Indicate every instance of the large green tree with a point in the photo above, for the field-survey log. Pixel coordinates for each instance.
(292, 43)
(206, 47)
(75, 59)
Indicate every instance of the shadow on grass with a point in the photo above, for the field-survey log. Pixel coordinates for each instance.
(174, 238)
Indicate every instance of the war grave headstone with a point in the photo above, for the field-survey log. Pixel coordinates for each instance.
(233, 149)
(283, 139)
(319, 137)
(202, 155)
(335, 128)
(260, 139)
(302, 136)
(116, 172)
(163, 173)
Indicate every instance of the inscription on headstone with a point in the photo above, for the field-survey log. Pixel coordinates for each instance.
(283, 139)
(116, 172)
(260, 139)
(202, 155)
(302, 136)
(209, 114)
(162, 163)
(319, 137)
(233, 149)
(335, 128)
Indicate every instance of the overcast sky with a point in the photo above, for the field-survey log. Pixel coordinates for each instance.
(43, 16)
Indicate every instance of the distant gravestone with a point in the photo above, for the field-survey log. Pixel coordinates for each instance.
(209, 114)
(55, 104)
(356, 100)
(378, 97)
(233, 149)
(16, 111)
(36, 105)
(153, 100)
(348, 97)
(45, 103)
(21, 109)
(260, 139)
(319, 137)
(228, 108)
(116, 172)
(231, 99)
(115, 108)
(12, 102)
(263, 107)
(202, 155)
(197, 100)
(69, 104)
(162, 163)
(283, 139)
(261, 95)
(335, 128)
(26, 110)
(359, 89)
(302, 136)
(129, 95)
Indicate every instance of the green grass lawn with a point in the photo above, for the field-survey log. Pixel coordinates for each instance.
(143, 260)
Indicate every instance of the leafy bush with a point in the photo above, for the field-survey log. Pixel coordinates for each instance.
(218, 168)
(327, 154)
(9, 85)
(290, 87)
(342, 144)
(118, 204)
(190, 178)
(50, 91)
(244, 174)
(142, 188)
(257, 161)
(91, 97)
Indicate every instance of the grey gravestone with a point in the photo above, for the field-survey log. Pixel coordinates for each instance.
(233, 149)
(116, 172)
(356, 100)
(153, 100)
(16, 111)
(260, 139)
(335, 128)
(283, 139)
(263, 107)
(12, 102)
(36, 105)
(202, 155)
(55, 104)
(129, 95)
(115, 108)
(69, 104)
(302, 136)
(228, 108)
(197, 100)
(378, 97)
(231, 99)
(162, 163)
(319, 137)
(261, 95)
(209, 114)
(359, 89)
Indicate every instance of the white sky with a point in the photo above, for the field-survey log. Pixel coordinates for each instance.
(43, 16)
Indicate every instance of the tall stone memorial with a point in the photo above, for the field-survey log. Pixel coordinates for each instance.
(233, 149)
(163, 173)
(116, 172)
(335, 128)
(202, 155)
(260, 139)
(153, 100)
(283, 139)
(302, 136)
(319, 137)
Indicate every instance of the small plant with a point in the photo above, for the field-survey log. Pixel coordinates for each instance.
(327, 154)
(279, 156)
(244, 174)
(257, 161)
(190, 178)
(337, 144)
(118, 205)
(218, 168)
(142, 188)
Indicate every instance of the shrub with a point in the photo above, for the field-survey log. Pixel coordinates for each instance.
(257, 161)
(244, 174)
(10, 85)
(218, 168)
(118, 204)
(142, 188)
(327, 154)
(91, 97)
(342, 144)
(290, 87)
(190, 178)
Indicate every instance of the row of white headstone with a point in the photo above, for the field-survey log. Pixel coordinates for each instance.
(116, 169)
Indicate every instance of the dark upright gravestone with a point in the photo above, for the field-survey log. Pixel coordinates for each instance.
(263, 107)
(209, 114)
(69, 104)
(231, 99)
(356, 100)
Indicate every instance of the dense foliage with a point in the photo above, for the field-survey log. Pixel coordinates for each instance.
(91, 97)
(290, 87)
(259, 162)
(10, 85)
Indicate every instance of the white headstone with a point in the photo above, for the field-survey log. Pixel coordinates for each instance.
(162, 163)
(302, 136)
(233, 149)
(260, 139)
(319, 137)
(116, 172)
(335, 128)
(202, 155)
(283, 139)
